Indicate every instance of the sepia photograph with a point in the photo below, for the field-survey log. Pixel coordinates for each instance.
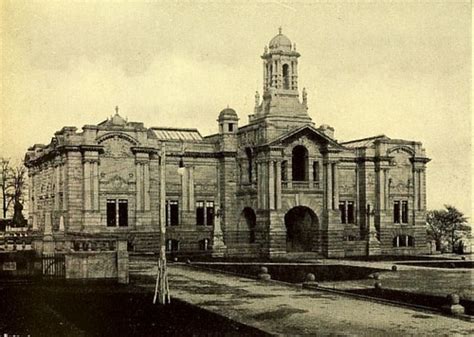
(236, 168)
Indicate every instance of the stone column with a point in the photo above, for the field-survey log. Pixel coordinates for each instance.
(87, 185)
(56, 187)
(259, 185)
(422, 189)
(139, 186)
(184, 189)
(264, 167)
(65, 186)
(218, 245)
(386, 191)
(271, 184)
(146, 185)
(357, 196)
(278, 185)
(380, 188)
(328, 171)
(191, 187)
(95, 185)
(336, 186)
(30, 193)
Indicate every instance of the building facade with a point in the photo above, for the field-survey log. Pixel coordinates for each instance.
(278, 186)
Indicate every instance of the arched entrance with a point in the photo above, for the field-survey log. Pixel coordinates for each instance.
(247, 224)
(301, 227)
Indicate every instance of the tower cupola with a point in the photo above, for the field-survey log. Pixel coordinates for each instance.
(228, 121)
(280, 66)
(281, 98)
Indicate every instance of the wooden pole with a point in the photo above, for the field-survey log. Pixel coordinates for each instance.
(162, 292)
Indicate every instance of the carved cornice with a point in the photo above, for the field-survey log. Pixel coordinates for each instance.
(143, 149)
(423, 160)
(98, 148)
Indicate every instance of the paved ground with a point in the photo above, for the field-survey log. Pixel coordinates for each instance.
(281, 309)
(423, 280)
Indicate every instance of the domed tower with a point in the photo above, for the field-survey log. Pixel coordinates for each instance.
(228, 125)
(228, 121)
(280, 83)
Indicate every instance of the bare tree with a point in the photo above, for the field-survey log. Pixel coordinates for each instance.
(6, 173)
(18, 186)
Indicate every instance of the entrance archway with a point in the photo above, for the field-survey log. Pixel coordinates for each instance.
(301, 227)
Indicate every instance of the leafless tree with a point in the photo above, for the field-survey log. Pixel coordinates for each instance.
(12, 183)
(18, 186)
(6, 173)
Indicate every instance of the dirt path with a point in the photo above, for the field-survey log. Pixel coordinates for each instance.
(281, 309)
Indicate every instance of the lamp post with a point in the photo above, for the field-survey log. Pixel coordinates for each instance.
(162, 292)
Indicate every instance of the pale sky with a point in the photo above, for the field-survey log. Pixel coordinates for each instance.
(403, 70)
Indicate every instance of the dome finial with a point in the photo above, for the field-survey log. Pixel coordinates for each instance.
(116, 109)
(279, 30)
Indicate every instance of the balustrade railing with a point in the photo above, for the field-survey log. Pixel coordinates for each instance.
(300, 185)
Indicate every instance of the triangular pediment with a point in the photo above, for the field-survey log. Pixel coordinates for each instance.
(309, 132)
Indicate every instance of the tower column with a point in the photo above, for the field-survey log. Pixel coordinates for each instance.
(271, 184)
(278, 185)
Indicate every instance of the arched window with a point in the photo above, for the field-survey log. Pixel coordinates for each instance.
(299, 164)
(286, 76)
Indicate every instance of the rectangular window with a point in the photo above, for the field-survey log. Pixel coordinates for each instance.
(350, 212)
(172, 213)
(200, 213)
(111, 213)
(210, 213)
(123, 213)
(231, 127)
(117, 212)
(342, 208)
(396, 212)
(316, 171)
(404, 211)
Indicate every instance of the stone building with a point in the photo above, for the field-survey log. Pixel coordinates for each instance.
(279, 185)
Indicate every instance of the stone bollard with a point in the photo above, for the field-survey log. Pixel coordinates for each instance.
(175, 259)
(310, 281)
(394, 268)
(188, 261)
(453, 307)
(264, 275)
(378, 285)
(375, 276)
